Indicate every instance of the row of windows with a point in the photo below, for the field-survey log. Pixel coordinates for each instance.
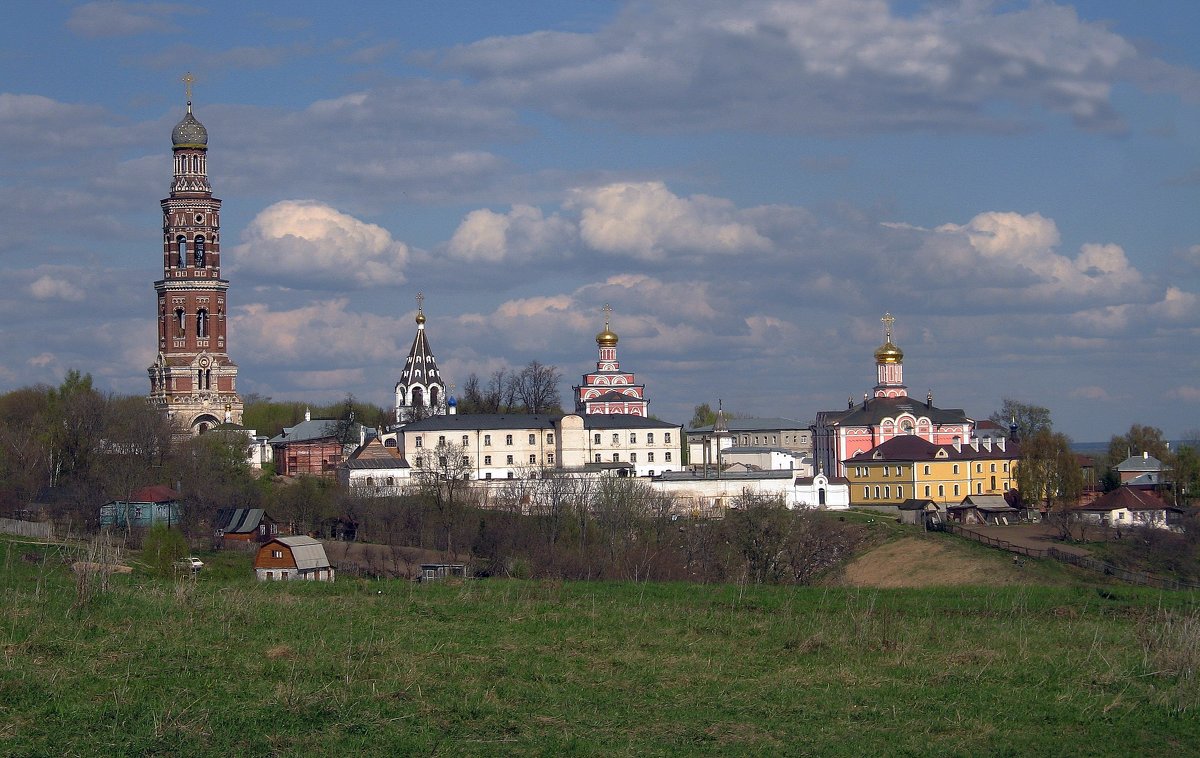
(508, 438)
(390, 482)
(861, 471)
(770, 439)
(616, 438)
(941, 491)
(201, 323)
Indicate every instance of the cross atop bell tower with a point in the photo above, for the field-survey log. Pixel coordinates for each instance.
(193, 380)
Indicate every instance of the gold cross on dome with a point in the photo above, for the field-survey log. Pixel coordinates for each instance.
(187, 83)
(888, 319)
(420, 299)
(607, 312)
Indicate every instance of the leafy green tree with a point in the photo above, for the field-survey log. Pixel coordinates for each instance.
(702, 415)
(1139, 439)
(1049, 474)
(1030, 419)
(162, 547)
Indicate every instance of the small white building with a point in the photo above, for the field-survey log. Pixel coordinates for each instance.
(1128, 507)
(767, 459)
(698, 495)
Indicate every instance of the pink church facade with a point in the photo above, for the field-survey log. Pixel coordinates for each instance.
(885, 413)
(608, 390)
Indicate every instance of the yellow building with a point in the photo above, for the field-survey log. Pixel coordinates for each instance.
(910, 467)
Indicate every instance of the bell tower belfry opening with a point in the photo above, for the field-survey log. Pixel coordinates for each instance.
(193, 379)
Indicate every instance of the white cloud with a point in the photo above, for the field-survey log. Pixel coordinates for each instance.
(523, 232)
(1176, 305)
(1013, 245)
(51, 288)
(825, 66)
(649, 222)
(304, 243)
(313, 336)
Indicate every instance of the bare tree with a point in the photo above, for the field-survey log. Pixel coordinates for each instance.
(536, 386)
(443, 476)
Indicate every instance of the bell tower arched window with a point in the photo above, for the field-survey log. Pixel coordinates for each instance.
(202, 323)
(180, 322)
(199, 251)
(418, 397)
(433, 396)
(181, 245)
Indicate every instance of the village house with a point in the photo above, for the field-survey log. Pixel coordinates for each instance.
(1141, 471)
(315, 446)
(289, 558)
(991, 510)
(244, 525)
(149, 506)
(1128, 507)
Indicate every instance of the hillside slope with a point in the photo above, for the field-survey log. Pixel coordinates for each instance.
(931, 561)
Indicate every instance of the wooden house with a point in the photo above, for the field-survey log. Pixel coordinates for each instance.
(156, 504)
(286, 558)
(244, 525)
(984, 510)
(920, 512)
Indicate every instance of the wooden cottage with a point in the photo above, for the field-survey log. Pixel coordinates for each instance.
(984, 510)
(292, 558)
(149, 506)
(244, 525)
(920, 512)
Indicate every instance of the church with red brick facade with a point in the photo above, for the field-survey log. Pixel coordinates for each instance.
(193, 379)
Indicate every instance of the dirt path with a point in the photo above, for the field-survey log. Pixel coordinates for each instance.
(925, 562)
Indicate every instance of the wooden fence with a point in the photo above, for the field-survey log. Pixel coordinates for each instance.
(43, 530)
(1082, 561)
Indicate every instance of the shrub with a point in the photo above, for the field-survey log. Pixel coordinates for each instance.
(162, 547)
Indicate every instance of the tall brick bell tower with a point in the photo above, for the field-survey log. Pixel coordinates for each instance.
(193, 379)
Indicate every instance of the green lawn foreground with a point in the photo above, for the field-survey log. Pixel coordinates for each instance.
(225, 666)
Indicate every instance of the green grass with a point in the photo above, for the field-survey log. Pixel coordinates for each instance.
(224, 666)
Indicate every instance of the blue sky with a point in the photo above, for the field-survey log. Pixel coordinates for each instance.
(751, 185)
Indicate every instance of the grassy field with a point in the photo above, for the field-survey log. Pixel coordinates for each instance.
(225, 666)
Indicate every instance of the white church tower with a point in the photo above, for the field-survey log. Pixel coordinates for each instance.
(420, 393)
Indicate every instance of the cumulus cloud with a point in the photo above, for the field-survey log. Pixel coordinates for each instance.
(307, 244)
(1014, 246)
(823, 66)
(120, 19)
(52, 288)
(523, 232)
(313, 336)
(647, 221)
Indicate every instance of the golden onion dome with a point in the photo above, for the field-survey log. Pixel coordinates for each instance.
(606, 338)
(889, 353)
(420, 317)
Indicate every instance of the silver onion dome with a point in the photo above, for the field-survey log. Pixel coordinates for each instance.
(189, 132)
